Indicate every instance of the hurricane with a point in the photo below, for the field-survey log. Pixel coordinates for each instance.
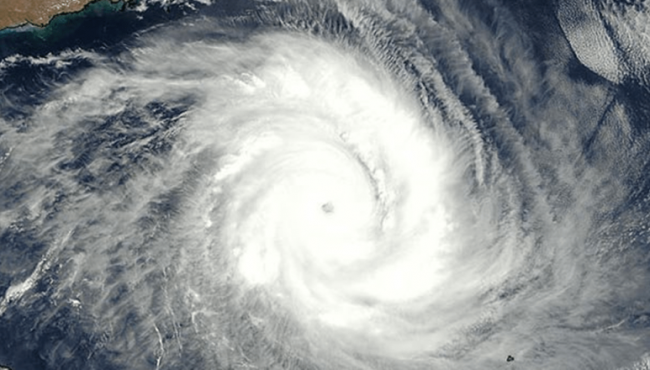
(342, 184)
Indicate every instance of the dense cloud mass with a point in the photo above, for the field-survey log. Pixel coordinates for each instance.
(328, 185)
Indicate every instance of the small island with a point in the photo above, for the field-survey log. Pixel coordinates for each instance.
(14, 13)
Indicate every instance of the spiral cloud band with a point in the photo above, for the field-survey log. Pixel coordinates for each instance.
(316, 192)
(348, 185)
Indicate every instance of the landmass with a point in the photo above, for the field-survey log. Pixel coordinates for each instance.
(14, 13)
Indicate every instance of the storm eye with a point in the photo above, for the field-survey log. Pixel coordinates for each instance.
(327, 207)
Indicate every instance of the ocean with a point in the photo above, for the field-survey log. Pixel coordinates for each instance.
(341, 184)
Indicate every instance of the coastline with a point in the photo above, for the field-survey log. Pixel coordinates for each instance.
(39, 13)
